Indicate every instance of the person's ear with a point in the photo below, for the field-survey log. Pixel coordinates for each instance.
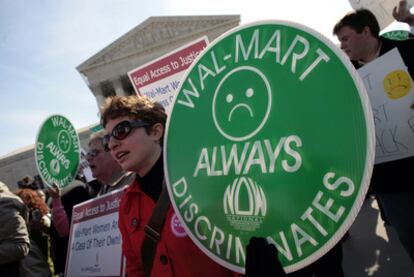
(366, 31)
(157, 131)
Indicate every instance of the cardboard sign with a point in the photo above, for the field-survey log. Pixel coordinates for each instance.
(84, 167)
(160, 78)
(391, 92)
(95, 240)
(262, 141)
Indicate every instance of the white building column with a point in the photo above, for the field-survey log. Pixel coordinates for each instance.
(97, 92)
(118, 87)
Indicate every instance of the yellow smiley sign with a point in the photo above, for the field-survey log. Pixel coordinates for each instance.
(397, 84)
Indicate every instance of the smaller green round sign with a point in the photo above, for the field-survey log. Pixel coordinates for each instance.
(271, 135)
(57, 151)
(397, 35)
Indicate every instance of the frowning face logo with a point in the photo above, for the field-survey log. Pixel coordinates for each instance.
(63, 140)
(242, 103)
(397, 84)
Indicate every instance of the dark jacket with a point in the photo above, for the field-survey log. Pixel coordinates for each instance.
(59, 245)
(14, 236)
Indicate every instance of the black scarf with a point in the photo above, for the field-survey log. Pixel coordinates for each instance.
(151, 183)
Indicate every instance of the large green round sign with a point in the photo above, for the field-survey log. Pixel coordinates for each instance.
(271, 135)
(57, 151)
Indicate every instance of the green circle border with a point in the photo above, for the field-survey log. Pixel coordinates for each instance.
(370, 143)
(37, 139)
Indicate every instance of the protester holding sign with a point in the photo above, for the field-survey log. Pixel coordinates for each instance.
(106, 170)
(136, 128)
(358, 33)
(62, 204)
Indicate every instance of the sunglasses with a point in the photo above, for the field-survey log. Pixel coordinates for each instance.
(122, 130)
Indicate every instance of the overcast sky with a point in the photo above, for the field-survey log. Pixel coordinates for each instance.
(43, 41)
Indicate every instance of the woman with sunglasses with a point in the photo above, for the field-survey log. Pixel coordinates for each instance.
(135, 127)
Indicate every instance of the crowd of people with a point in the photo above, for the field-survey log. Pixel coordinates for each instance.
(35, 220)
(40, 216)
(35, 244)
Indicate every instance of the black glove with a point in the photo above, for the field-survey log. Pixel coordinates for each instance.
(262, 259)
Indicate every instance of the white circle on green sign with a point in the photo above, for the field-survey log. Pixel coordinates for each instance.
(57, 151)
(271, 135)
(229, 106)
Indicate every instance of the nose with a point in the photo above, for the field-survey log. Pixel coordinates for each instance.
(344, 45)
(113, 143)
(88, 158)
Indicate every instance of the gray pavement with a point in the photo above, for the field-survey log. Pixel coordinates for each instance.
(373, 249)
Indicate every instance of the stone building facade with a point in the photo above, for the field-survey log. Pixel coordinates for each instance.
(106, 71)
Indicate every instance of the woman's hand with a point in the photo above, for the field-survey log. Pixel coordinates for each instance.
(54, 191)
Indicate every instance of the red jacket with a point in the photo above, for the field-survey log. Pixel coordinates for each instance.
(176, 254)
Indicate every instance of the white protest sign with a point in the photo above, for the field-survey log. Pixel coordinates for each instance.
(84, 167)
(95, 241)
(390, 90)
(382, 9)
(160, 78)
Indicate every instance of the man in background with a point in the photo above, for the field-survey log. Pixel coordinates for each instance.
(103, 166)
(358, 33)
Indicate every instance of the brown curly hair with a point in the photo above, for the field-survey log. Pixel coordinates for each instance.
(33, 200)
(135, 107)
